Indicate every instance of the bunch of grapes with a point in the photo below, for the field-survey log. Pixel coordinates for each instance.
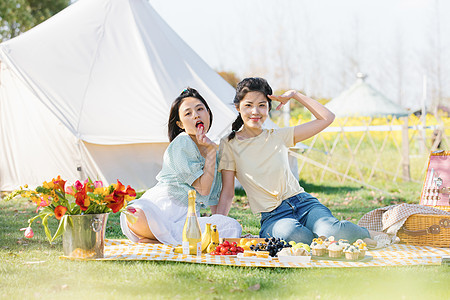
(272, 245)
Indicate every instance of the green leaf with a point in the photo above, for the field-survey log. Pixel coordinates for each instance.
(47, 210)
(76, 210)
(34, 218)
(47, 231)
(61, 228)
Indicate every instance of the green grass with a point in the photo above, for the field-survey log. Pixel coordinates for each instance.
(31, 268)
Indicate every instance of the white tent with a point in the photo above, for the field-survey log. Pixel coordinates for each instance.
(88, 93)
(361, 99)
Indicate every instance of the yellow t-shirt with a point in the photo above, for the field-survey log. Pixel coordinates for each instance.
(262, 167)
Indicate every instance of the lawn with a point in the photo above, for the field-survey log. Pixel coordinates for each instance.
(31, 268)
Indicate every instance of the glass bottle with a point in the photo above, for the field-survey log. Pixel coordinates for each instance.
(192, 235)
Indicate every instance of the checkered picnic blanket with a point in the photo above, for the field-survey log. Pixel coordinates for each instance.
(395, 255)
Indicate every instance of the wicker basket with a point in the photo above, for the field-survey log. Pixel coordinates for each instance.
(426, 230)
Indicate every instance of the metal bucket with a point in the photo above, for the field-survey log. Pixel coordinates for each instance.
(84, 236)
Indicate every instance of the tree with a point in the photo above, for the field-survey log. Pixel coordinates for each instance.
(230, 77)
(17, 16)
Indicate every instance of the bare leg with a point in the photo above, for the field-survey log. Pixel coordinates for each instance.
(213, 209)
(141, 229)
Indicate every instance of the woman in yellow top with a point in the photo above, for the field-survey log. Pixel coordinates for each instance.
(258, 158)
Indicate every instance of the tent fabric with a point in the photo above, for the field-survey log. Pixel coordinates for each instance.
(87, 93)
(109, 70)
(361, 99)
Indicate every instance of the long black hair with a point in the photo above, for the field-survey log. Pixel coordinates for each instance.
(173, 129)
(251, 84)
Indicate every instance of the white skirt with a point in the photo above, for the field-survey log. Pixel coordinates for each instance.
(166, 219)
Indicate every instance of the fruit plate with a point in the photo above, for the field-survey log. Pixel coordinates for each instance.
(297, 259)
(253, 258)
(342, 258)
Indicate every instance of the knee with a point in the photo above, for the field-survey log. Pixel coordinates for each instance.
(138, 220)
(139, 213)
(326, 226)
(339, 229)
(292, 230)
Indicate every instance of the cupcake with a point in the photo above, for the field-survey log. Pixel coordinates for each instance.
(328, 241)
(335, 250)
(351, 252)
(318, 248)
(362, 248)
(344, 243)
(358, 241)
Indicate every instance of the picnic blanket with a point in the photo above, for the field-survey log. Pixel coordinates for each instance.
(395, 255)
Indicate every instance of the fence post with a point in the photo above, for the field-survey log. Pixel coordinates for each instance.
(405, 150)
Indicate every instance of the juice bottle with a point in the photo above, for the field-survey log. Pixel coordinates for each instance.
(192, 235)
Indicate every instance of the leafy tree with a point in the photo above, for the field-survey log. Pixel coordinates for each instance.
(230, 77)
(17, 16)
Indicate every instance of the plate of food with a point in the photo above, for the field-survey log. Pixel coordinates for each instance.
(255, 256)
(299, 255)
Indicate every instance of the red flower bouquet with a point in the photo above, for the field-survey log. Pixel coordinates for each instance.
(90, 197)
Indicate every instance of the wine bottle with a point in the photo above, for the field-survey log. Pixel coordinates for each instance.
(192, 235)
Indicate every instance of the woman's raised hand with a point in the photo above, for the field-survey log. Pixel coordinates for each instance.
(202, 139)
(283, 99)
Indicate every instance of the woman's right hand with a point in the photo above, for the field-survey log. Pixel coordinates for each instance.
(203, 140)
(204, 183)
(283, 99)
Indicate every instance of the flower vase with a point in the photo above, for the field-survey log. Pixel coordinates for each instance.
(84, 236)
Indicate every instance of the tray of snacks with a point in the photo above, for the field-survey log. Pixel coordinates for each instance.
(250, 255)
(226, 248)
(323, 248)
(366, 258)
(298, 255)
(269, 249)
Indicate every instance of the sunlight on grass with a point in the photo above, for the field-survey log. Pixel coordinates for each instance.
(31, 268)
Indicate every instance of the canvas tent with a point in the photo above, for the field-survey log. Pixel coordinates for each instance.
(361, 99)
(88, 93)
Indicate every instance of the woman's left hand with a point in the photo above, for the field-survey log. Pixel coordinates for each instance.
(283, 99)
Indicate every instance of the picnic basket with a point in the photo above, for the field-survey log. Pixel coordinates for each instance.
(426, 230)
